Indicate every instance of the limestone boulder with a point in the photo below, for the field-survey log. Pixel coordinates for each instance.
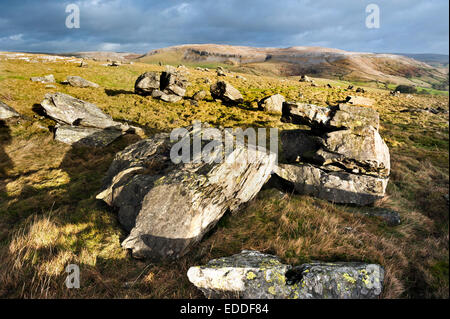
(272, 104)
(332, 185)
(361, 151)
(7, 112)
(254, 275)
(308, 114)
(167, 207)
(226, 92)
(200, 95)
(44, 79)
(78, 81)
(86, 136)
(330, 118)
(146, 83)
(66, 109)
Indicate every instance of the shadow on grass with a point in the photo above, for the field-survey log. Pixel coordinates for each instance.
(111, 92)
(5, 160)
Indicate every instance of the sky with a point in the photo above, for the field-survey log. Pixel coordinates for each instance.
(405, 26)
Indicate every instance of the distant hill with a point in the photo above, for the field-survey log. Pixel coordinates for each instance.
(314, 61)
(438, 60)
(424, 70)
(104, 56)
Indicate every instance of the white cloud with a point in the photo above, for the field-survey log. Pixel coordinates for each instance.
(16, 37)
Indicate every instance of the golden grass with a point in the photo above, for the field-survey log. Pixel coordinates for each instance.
(49, 216)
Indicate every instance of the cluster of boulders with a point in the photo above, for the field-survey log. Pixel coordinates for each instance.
(168, 86)
(168, 205)
(254, 275)
(342, 158)
(80, 122)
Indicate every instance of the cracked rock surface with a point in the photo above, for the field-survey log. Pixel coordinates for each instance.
(168, 207)
(81, 122)
(342, 158)
(254, 275)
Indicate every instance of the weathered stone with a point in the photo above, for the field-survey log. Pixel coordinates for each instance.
(7, 112)
(84, 64)
(309, 114)
(44, 79)
(335, 186)
(226, 92)
(77, 81)
(87, 136)
(173, 83)
(299, 145)
(66, 109)
(305, 78)
(343, 116)
(171, 98)
(168, 207)
(359, 151)
(392, 218)
(272, 104)
(200, 95)
(359, 100)
(253, 275)
(349, 116)
(146, 83)
(157, 94)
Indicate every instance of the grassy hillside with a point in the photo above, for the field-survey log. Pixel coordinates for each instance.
(49, 217)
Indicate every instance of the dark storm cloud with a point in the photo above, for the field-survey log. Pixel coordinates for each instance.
(413, 26)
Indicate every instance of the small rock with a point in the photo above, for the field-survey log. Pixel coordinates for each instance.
(392, 218)
(77, 81)
(44, 79)
(171, 98)
(7, 112)
(305, 78)
(200, 95)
